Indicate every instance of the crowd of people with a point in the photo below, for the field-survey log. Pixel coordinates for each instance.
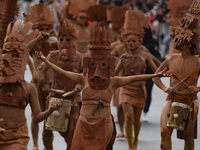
(82, 56)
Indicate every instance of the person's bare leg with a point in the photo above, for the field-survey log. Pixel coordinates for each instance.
(137, 124)
(120, 114)
(189, 133)
(165, 131)
(47, 137)
(109, 133)
(35, 130)
(128, 113)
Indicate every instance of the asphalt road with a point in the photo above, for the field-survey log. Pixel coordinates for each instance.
(149, 138)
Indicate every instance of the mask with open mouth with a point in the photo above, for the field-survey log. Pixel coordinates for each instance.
(100, 65)
(14, 55)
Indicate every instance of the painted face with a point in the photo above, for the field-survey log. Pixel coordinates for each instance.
(132, 42)
(182, 34)
(67, 47)
(81, 18)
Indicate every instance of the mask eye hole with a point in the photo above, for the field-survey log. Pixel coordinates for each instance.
(68, 40)
(92, 64)
(15, 55)
(103, 64)
(61, 40)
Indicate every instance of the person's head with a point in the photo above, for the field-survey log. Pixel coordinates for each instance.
(67, 40)
(82, 18)
(131, 42)
(14, 55)
(100, 65)
(133, 30)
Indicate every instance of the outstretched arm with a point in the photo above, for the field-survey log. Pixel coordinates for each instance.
(76, 77)
(122, 81)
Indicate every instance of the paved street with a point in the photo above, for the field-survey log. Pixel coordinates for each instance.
(149, 138)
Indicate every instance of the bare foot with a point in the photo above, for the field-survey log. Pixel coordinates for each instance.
(35, 148)
(134, 142)
(117, 121)
(120, 135)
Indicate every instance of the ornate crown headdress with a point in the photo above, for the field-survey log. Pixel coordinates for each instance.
(188, 30)
(40, 14)
(66, 30)
(100, 38)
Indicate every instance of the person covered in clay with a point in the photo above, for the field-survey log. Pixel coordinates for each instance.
(15, 92)
(43, 20)
(67, 58)
(181, 107)
(78, 8)
(95, 123)
(134, 62)
(117, 27)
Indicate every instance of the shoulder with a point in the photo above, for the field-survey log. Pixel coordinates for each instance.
(31, 88)
(78, 56)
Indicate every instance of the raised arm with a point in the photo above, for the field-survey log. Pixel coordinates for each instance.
(76, 77)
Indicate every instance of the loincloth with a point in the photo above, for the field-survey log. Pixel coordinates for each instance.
(135, 96)
(91, 134)
(68, 135)
(15, 139)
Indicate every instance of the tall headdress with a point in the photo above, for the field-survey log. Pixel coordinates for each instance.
(100, 66)
(66, 29)
(8, 8)
(40, 15)
(134, 23)
(15, 53)
(188, 30)
(177, 10)
(77, 6)
(97, 12)
(117, 16)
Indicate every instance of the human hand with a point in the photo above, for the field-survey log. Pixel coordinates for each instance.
(164, 73)
(1, 129)
(56, 104)
(193, 89)
(122, 61)
(40, 55)
(168, 90)
(46, 87)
